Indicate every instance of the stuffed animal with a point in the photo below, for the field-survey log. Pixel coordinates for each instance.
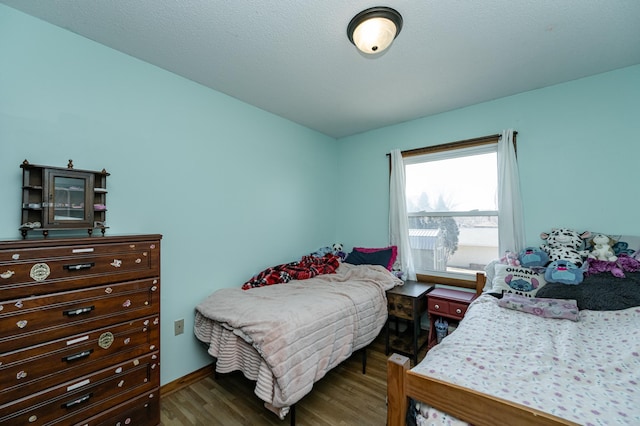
(602, 248)
(565, 244)
(628, 263)
(563, 271)
(338, 251)
(322, 251)
(622, 247)
(598, 266)
(397, 271)
(335, 249)
(533, 257)
(510, 258)
(623, 263)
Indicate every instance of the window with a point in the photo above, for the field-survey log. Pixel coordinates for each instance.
(452, 206)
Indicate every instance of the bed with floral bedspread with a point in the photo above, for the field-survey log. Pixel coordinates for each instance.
(552, 353)
(585, 371)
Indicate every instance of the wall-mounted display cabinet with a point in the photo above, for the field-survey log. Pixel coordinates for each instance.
(56, 198)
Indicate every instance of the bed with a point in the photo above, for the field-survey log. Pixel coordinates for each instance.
(286, 337)
(507, 366)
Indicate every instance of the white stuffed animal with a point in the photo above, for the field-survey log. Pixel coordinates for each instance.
(602, 248)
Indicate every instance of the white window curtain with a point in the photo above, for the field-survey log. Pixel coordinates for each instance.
(398, 219)
(510, 213)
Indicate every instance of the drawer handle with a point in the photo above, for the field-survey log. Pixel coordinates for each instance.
(458, 311)
(437, 306)
(78, 266)
(7, 275)
(79, 311)
(77, 356)
(75, 402)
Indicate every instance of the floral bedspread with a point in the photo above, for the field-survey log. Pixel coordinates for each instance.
(586, 371)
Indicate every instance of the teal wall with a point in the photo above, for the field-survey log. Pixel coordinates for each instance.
(578, 154)
(232, 188)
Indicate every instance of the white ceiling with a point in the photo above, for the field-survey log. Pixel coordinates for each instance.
(293, 58)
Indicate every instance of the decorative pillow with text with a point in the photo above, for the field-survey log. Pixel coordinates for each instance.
(517, 279)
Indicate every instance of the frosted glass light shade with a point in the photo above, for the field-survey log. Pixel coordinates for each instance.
(374, 29)
(374, 35)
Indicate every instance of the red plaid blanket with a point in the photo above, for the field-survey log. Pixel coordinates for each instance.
(307, 267)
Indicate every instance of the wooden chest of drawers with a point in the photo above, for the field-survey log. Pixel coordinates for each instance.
(79, 331)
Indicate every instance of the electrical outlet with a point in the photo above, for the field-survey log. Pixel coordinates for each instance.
(178, 326)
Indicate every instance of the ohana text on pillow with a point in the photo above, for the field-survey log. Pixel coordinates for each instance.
(517, 279)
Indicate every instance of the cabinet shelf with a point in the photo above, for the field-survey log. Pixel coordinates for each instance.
(32, 206)
(62, 199)
(403, 341)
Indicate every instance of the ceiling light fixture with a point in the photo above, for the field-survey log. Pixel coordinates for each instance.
(374, 29)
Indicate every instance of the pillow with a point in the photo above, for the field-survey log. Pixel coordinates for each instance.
(565, 272)
(380, 257)
(490, 272)
(546, 308)
(599, 292)
(517, 279)
(394, 253)
(532, 256)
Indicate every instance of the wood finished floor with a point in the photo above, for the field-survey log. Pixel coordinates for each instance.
(343, 397)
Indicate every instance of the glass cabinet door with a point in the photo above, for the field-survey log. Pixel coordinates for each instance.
(70, 196)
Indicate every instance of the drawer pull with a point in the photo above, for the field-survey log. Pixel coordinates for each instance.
(79, 311)
(458, 311)
(77, 356)
(83, 250)
(79, 266)
(436, 306)
(75, 402)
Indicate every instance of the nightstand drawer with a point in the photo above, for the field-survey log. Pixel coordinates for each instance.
(447, 308)
(438, 305)
(457, 309)
(401, 306)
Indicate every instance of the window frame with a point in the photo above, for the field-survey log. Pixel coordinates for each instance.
(453, 277)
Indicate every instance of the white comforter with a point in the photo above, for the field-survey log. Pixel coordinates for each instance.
(586, 371)
(301, 329)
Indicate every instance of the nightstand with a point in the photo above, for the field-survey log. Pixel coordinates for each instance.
(450, 304)
(407, 303)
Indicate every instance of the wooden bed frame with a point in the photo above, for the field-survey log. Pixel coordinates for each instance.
(465, 404)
